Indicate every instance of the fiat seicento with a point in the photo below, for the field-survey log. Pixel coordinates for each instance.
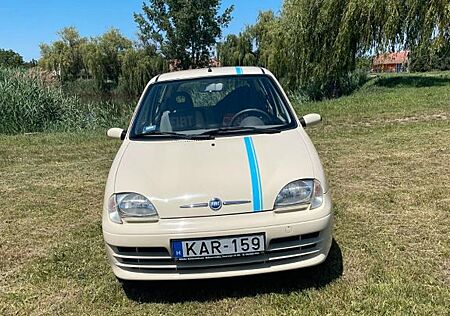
(215, 177)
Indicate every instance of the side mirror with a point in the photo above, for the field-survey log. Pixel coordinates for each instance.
(310, 119)
(118, 133)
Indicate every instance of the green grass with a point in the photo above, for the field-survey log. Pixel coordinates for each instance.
(386, 150)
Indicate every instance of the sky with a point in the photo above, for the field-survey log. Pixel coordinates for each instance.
(24, 24)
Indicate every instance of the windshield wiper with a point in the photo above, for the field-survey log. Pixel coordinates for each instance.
(239, 129)
(174, 135)
(210, 133)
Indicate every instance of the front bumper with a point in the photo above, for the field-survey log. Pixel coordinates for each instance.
(292, 242)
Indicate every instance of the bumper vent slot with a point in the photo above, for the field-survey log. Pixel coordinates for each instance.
(158, 260)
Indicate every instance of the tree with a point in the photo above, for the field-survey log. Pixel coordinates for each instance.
(102, 57)
(269, 36)
(314, 45)
(9, 58)
(432, 57)
(101, 63)
(31, 64)
(237, 50)
(138, 67)
(182, 30)
(64, 56)
(260, 44)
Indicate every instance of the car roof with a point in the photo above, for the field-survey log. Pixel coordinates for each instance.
(209, 72)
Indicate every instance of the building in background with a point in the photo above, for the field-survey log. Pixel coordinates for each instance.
(391, 62)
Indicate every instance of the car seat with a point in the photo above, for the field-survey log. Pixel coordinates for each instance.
(182, 114)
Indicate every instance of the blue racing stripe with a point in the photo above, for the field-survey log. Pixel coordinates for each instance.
(239, 70)
(254, 175)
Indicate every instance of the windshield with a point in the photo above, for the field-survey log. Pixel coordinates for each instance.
(246, 104)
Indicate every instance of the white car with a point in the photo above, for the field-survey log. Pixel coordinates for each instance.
(216, 177)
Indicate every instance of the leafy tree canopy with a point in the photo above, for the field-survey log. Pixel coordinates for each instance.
(325, 37)
(9, 58)
(237, 50)
(314, 46)
(182, 30)
(102, 57)
(64, 56)
(103, 62)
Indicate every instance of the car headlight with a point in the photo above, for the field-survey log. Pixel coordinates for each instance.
(300, 192)
(131, 205)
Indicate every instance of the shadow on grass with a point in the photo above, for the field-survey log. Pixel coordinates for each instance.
(209, 290)
(412, 81)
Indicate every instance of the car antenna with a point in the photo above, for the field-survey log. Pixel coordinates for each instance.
(209, 68)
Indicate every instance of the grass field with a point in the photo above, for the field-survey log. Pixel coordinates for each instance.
(386, 150)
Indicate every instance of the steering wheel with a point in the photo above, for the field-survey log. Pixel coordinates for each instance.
(258, 113)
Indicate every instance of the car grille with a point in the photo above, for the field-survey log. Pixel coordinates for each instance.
(158, 260)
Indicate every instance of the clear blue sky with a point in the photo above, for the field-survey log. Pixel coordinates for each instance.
(24, 24)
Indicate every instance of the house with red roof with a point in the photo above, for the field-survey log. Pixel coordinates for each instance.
(391, 62)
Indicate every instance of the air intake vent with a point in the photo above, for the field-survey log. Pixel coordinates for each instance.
(158, 259)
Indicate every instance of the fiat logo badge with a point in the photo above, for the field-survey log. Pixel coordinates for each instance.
(215, 204)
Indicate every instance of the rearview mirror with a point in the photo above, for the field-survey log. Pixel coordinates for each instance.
(310, 119)
(118, 133)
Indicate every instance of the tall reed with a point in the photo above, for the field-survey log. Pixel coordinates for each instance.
(30, 104)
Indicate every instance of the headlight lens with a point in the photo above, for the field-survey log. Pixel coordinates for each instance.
(130, 205)
(300, 192)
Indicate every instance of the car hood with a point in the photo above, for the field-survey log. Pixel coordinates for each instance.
(246, 173)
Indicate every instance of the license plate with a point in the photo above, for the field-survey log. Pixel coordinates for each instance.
(218, 247)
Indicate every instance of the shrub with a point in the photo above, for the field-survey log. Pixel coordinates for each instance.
(314, 90)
